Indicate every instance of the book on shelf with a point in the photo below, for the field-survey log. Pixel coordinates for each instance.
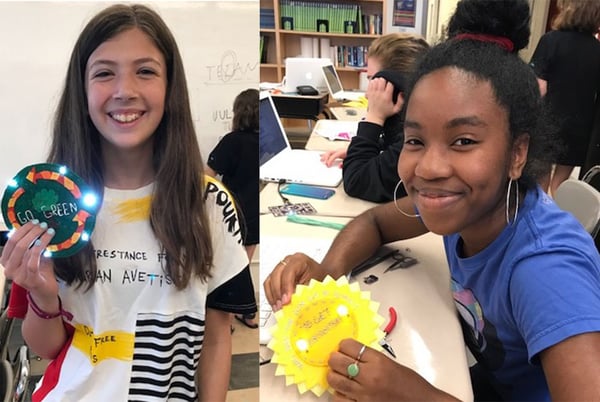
(267, 18)
(313, 47)
(316, 16)
(373, 24)
(349, 56)
(264, 40)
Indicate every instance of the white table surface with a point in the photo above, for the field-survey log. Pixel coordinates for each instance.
(427, 337)
(340, 204)
(348, 113)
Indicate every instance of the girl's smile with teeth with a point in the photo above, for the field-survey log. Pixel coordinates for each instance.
(125, 117)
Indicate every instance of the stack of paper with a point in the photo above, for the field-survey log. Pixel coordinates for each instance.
(336, 129)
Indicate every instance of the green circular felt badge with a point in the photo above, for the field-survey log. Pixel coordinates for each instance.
(53, 194)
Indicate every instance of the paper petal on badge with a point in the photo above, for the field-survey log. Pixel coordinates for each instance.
(311, 326)
(53, 194)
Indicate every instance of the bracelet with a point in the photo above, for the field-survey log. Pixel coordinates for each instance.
(47, 316)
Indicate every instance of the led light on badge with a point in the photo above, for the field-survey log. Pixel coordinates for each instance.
(90, 200)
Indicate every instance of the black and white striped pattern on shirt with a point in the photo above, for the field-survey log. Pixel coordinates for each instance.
(166, 353)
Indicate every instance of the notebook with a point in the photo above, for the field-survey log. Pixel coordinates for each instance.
(279, 162)
(335, 85)
(272, 250)
(305, 71)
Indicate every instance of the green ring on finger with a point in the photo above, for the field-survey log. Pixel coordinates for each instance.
(352, 370)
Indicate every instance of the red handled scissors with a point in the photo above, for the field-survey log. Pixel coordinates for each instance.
(384, 343)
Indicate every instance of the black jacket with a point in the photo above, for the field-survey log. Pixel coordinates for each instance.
(370, 168)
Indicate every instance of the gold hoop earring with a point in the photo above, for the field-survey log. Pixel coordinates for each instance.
(396, 204)
(508, 222)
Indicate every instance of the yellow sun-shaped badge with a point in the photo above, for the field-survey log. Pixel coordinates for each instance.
(312, 325)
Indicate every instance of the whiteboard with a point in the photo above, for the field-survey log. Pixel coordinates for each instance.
(218, 42)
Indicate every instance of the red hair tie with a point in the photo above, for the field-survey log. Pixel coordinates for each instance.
(501, 41)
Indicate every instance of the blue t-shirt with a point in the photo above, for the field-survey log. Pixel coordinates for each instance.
(535, 285)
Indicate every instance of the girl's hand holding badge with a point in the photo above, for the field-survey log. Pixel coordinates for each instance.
(51, 213)
(24, 263)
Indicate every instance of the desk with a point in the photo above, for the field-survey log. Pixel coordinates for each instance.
(339, 205)
(427, 337)
(317, 142)
(348, 113)
(325, 136)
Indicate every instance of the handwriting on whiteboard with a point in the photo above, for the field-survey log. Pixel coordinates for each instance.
(224, 118)
(231, 71)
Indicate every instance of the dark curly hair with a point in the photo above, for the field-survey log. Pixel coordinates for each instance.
(513, 81)
(505, 18)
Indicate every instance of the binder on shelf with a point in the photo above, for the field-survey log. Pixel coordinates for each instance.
(315, 16)
(315, 47)
(325, 45)
(264, 41)
(306, 47)
(267, 18)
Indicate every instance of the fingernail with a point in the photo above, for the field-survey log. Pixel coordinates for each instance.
(35, 221)
(37, 243)
(51, 231)
(44, 225)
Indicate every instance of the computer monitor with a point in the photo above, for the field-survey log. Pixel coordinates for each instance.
(305, 71)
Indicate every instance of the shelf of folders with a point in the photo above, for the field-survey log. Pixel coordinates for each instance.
(315, 16)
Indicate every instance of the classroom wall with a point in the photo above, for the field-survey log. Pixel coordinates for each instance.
(218, 42)
(446, 10)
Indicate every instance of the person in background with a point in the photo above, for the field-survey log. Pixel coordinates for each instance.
(567, 64)
(124, 125)
(235, 158)
(369, 162)
(476, 137)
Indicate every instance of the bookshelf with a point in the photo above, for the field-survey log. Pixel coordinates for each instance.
(278, 16)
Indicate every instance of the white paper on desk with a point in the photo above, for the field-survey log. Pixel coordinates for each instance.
(336, 129)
